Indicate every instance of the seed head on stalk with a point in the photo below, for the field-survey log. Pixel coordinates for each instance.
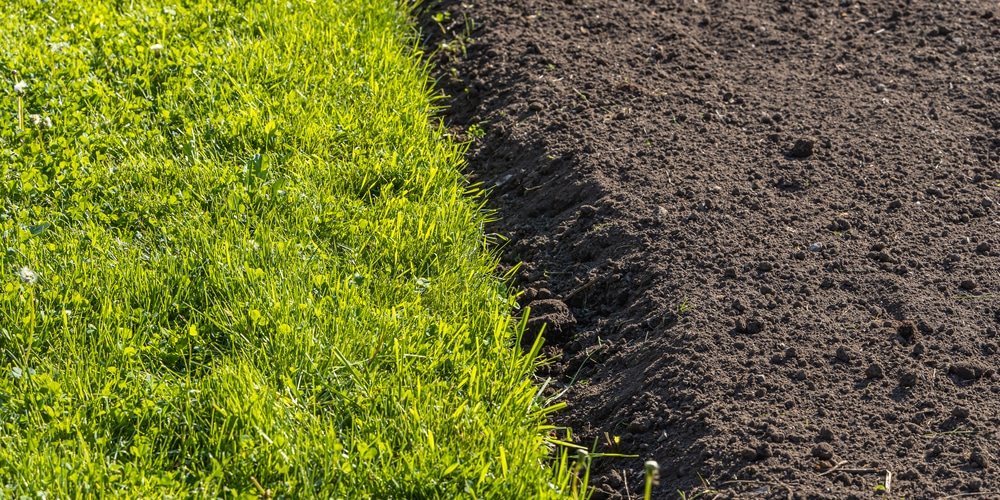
(652, 477)
(20, 88)
(27, 275)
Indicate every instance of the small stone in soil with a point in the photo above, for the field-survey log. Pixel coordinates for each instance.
(960, 412)
(802, 148)
(968, 285)
(875, 371)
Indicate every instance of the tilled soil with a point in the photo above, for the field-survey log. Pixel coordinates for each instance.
(763, 235)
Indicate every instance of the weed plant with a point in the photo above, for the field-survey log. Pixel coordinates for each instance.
(236, 261)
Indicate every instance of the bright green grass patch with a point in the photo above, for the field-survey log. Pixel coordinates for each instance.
(234, 250)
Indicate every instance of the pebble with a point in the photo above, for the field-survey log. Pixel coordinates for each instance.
(968, 285)
(815, 247)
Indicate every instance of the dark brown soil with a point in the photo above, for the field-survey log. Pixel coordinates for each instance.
(764, 235)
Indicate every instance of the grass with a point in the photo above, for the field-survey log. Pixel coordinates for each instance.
(238, 262)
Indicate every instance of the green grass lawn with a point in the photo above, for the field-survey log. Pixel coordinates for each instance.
(236, 251)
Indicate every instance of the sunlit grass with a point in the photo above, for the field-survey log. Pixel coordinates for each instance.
(236, 252)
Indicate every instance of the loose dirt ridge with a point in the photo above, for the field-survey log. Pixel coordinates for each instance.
(764, 235)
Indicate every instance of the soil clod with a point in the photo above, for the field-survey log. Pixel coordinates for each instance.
(802, 148)
(823, 451)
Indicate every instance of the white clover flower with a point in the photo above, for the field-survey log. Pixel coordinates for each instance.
(21, 87)
(652, 474)
(40, 121)
(58, 46)
(156, 47)
(27, 275)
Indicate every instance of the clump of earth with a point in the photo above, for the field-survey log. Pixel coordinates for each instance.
(763, 236)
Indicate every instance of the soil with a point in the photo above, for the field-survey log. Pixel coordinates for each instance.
(764, 236)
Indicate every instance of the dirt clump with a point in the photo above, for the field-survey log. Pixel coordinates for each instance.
(766, 231)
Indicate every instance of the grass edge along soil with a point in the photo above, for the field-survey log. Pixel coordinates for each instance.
(239, 263)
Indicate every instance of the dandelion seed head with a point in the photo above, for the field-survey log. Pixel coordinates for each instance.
(21, 87)
(27, 275)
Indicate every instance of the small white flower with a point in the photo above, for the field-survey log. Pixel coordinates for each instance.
(40, 121)
(652, 472)
(27, 275)
(58, 46)
(21, 87)
(156, 47)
